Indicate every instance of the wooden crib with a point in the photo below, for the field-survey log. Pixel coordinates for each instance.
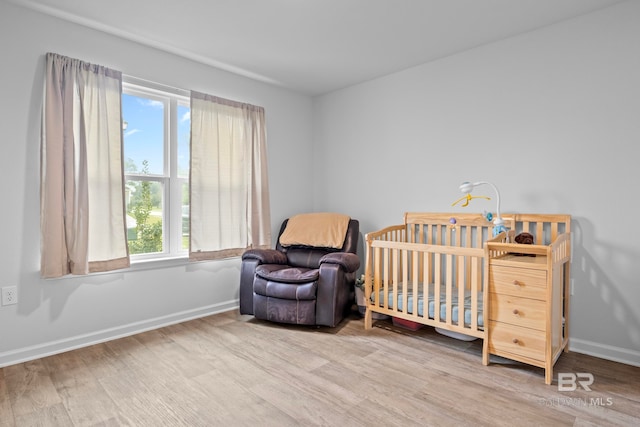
(437, 269)
(431, 270)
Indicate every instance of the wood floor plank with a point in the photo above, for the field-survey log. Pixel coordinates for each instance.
(301, 380)
(101, 360)
(31, 390)
(302, 405)
(238, 405)
(46, 416)
(145, 400)
(81, 393)
(379, 389)
(6, 412)
(235, 370)
(172, 358)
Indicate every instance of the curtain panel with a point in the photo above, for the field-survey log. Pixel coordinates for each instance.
(229, 190)
(83, 222)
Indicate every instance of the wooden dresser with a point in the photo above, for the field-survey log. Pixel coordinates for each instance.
(528, 293)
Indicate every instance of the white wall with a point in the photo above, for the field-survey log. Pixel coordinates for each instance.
(551, 117)
(58, 314)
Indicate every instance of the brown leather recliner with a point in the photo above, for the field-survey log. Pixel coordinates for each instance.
(300, 284)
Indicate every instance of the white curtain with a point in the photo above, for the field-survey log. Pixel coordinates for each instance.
(229, 191)
(82, 194)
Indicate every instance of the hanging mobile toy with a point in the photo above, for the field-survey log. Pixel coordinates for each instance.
(467, 187)
(467, 198)
(453, 223)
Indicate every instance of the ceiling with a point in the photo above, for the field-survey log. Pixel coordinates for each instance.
(315, 46)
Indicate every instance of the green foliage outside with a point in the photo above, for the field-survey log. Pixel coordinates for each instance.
(148, 227)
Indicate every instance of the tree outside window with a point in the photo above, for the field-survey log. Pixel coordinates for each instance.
(156, 128)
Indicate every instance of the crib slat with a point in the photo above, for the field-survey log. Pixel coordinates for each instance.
(377, 277)
(449, 284)
(437, 278)
(394, 279)
(475, 270)
(415, 284)
(429, 261)
(467, 265)
(554, 231)
(461, 302)
(385, 278)
(405, 280)
(540, 231)
(426, 284)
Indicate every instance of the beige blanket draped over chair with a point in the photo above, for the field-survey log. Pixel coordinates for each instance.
(324, 229)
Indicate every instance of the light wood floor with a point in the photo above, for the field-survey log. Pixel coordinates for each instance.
(232, 370)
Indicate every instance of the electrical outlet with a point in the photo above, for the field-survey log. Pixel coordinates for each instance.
(9, 295)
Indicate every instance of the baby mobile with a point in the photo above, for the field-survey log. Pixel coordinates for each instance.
(467, 187)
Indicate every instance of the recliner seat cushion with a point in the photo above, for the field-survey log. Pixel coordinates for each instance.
(285, 282)
(287, 274)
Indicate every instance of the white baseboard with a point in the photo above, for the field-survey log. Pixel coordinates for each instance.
(603, 351)
(25, 354)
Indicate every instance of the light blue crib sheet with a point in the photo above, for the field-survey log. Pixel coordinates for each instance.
(443, 304)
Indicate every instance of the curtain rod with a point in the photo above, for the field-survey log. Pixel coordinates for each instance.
(161, 87)
(154, 85)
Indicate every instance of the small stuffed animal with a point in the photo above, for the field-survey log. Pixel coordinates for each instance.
(524, 239)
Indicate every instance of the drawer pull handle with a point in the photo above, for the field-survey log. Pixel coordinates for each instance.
(515, 340)
(515, 311)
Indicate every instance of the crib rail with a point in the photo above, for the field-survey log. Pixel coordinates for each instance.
(450, 229)
(430, 270)
(551, 233)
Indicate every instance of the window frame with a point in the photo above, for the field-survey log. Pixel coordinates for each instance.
(171, 182)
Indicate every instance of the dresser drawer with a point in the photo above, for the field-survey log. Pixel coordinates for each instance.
(520, 282)
(516, 340)
(517, 311)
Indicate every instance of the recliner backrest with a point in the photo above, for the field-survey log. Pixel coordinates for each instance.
(309, 257)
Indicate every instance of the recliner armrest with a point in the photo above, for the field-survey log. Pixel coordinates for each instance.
(350, 262)
(265, 256)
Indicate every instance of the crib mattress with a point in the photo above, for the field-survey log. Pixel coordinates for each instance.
(431, 305)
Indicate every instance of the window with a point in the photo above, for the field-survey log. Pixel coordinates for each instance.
(92, 221)
(156, 129)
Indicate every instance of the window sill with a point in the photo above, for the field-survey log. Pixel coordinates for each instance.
(155, 263)
(165, 262)
(141, 265)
